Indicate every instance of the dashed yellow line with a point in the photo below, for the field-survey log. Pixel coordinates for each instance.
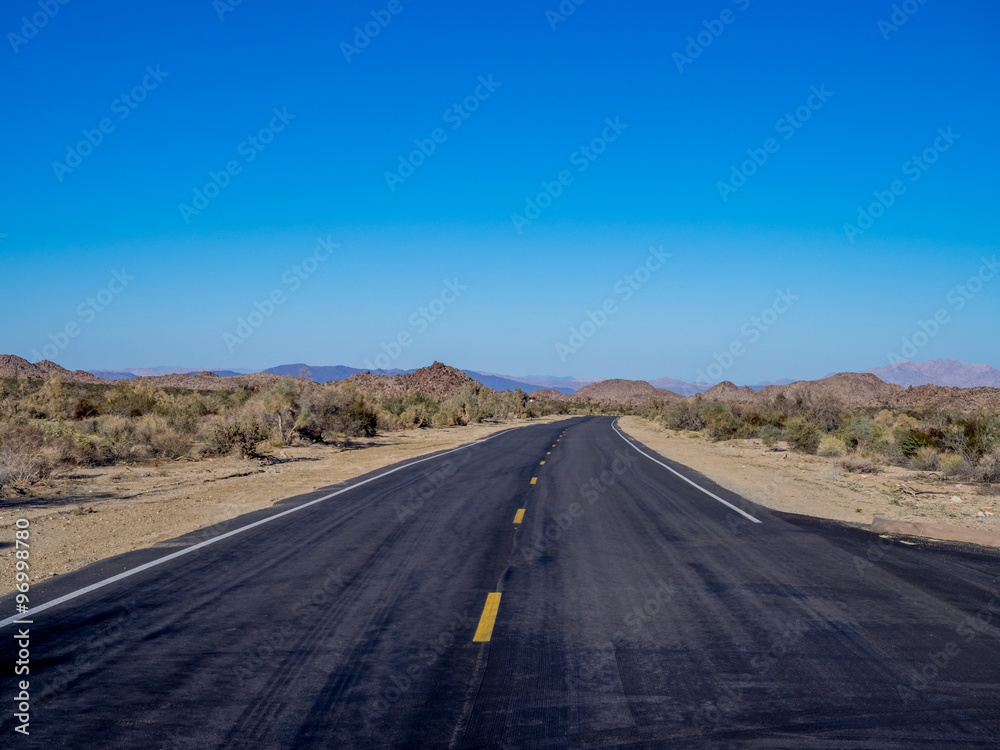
(485, 630)
(534, 479)
(548, 453)
(519, 516)
(542, 463)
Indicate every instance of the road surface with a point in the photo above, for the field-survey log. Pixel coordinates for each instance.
(635, 604)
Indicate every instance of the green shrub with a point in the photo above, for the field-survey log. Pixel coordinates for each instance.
(857, 432)
(770, 435)
(802, 435)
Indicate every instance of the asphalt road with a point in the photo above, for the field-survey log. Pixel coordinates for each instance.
(635, 611)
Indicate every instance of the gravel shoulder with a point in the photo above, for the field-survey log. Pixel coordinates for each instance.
(818, 486)
(86, 515)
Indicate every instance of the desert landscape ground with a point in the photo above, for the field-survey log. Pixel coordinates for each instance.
(102, 468)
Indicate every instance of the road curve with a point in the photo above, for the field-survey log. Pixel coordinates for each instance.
(636, 604)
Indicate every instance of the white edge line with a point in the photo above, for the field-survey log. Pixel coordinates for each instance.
(710, 494)
(234, 532)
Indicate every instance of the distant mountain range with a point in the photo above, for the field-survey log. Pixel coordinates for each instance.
(947, 372)
(942, 372)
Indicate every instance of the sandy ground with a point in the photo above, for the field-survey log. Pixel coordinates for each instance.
(87, 515)
(818, 486)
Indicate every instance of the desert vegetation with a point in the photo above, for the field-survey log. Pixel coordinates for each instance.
(962, 445)
(50, 426)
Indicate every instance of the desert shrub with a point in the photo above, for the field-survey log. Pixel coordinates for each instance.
(394, 405)
(336, 410)
(23, 458)
(802, 435)
(831, 446)
(974, 436)
(280, 406)
(51, 400)
(118, 440)
(988, 469)
(926, 458)
(953, 465)
(719, 420)
(911, 441)
(770, 435)
(134, 398)
(857, 432)
(860, 465)
(162, 439)
(685, 415)
(825, 411)
(445, 418)
(243, 433)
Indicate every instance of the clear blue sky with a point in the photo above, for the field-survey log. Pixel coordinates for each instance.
(684, 122)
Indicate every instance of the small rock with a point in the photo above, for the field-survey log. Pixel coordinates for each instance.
(956, 499)
(980, 514)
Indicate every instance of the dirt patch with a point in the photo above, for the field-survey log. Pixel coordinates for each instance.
(87, 515)
(819, 486)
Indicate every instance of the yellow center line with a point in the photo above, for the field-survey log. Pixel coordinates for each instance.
(519, 516)
(542, 463)
(534, 479)
(485, 630)
(549, 453)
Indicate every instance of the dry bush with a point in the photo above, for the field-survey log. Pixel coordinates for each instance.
(926, 458)
(955, 466)
(860, 465)
(161, 438)
(831, 446)
(988, 469)
(23, 458)
(243, 433)
(118, 440)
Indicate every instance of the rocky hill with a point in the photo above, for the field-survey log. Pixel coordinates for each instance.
(618, 391)
(549, 394)
(12, 366)
(437, 381)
